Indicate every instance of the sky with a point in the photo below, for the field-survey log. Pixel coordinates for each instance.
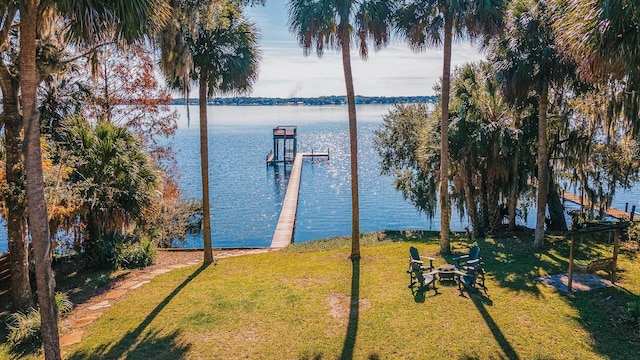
(393, 71)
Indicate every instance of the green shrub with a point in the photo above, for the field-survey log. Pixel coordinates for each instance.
(64, 304)
(634, 231)
(633, 311)
(119, 251)
(174, 221)
(138, 253)
(106, 252)
(24, 328)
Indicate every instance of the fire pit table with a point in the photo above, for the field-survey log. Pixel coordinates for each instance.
(446, 272)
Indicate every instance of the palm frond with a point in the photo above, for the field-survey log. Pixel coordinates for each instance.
(315, 24)
(421, 22)
(125, 21)
(373, 21)
(603, 36)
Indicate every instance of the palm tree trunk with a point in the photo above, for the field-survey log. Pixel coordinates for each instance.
(21, 295)
(445, 206)
(204, 167)
(472, 208)
(493, 191)
(513, 191)
(493, 195)
(95, 231)
(543, 180)
(38, 222)
(556, 210)
(484, 203)
(353, 142)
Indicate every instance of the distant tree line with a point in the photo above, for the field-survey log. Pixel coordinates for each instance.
(321, 100)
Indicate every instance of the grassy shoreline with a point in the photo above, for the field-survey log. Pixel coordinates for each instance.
(297, 304)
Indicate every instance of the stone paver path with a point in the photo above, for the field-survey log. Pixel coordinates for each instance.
(581, 282)
(99, 306)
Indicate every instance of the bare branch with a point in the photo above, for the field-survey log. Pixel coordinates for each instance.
(86, 53)
(7, 21)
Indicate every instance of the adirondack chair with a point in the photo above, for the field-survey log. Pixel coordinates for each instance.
(470, 270)
(420, 274)
(469, 261)
(472, 279)
(414, 259)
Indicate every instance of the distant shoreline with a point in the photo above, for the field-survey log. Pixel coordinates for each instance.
(297, 101)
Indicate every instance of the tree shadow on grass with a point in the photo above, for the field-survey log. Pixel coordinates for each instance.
(354, 312)
(151, 345)
(85, 284)
(481, 302)
(422, 236)
(21, 351)
(137, 344)
(511, 260)
(602, 314)
(514, 265)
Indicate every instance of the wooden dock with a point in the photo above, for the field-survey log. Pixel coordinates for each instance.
(287, 221)
(616, 213)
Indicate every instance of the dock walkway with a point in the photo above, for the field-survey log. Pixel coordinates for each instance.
(616, 213)
(287, 221)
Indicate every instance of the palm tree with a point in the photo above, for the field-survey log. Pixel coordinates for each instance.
(89, 22)
(216, 47)
(527, 60)
(434, 23)
(320, 23)
(484, 137)
(116, 178)
(603, 38)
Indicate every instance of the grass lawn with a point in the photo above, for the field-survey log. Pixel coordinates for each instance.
(310, 302)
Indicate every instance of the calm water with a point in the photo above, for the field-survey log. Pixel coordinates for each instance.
(246, 195)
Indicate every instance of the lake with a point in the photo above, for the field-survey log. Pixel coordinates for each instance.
(246, 194)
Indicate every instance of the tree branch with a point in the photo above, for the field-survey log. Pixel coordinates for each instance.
(86, 53)
(6, 25)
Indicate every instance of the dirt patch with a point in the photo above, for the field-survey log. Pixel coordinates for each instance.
(340, 306)
(581, 282)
